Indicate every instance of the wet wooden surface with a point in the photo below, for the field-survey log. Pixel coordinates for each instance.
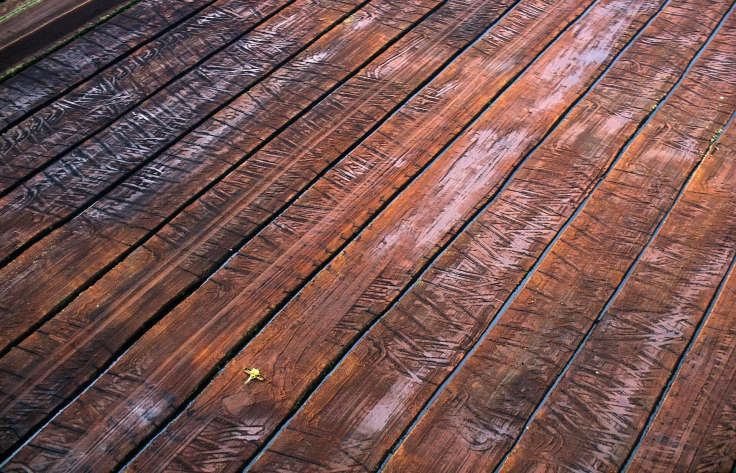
(30, 28)
(452, 235)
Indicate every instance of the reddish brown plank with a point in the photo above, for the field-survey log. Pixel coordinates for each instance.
(179, 58)
(222, 325)
(333, 309)
(596, 412)
(58, 357)
(118, 221)
(485, 406)
(694, 429)
(84, 56)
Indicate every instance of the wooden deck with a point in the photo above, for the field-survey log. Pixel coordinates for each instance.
(452, 236)
(31, 28)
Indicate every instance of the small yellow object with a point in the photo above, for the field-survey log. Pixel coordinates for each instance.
(253, 373)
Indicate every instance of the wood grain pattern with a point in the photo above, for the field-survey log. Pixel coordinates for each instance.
(139, 204)
(695, 429)
(181, 56)
(450, 235)
(85, 56)
(594, 415)
(35, 27)
(181, 368)
(339, 303)
(485, 406)
(188, 250)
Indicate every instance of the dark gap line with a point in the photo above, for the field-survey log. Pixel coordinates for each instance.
(101, 273)
(680, 362)
(114, 62)
(228, 256)
(70, 148)
(92, 200)
(623, 281)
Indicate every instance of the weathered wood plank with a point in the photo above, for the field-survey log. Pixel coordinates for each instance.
(596, 412)
(179, 69)
(68, 350)
(85, 56)
(227, 421)
(132, 210)
(35, 25)
(142, 202)
(694, 429)
(322, 202)
(484, 407)
(223, 323)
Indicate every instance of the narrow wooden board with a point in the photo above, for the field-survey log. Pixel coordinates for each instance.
(485, 406)
(138, 205)
(218, 329)
(58, 72)
(694, 428)
(69, 349)
(188, 63)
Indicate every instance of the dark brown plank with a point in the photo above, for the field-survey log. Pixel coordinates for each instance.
(58, 357)
(694, 429)
(252, 279)
(485, 406)
(37, 25)
(84, 56)
(142, 202)
(342, 300)
(177, 69)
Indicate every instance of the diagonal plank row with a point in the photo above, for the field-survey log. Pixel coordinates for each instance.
(419, 108)
(80, 339)
(49, 271)
(97, 165)
(497, 228)
(38, 84)
(694, 429)
(395, 368)
(484, 408)
(216, 333)
(596, 411)
(212, 420)
(173, 66)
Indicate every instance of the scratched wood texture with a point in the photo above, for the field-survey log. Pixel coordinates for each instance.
(47, 134)
(83, 57)
(694, 428)
(189, 248)
(284, 269)
(404, 358)
(189, 316)
(487, 403)
(150, 195)
(142, 132)
(30, 28)
(634, 347)
(453, 235)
